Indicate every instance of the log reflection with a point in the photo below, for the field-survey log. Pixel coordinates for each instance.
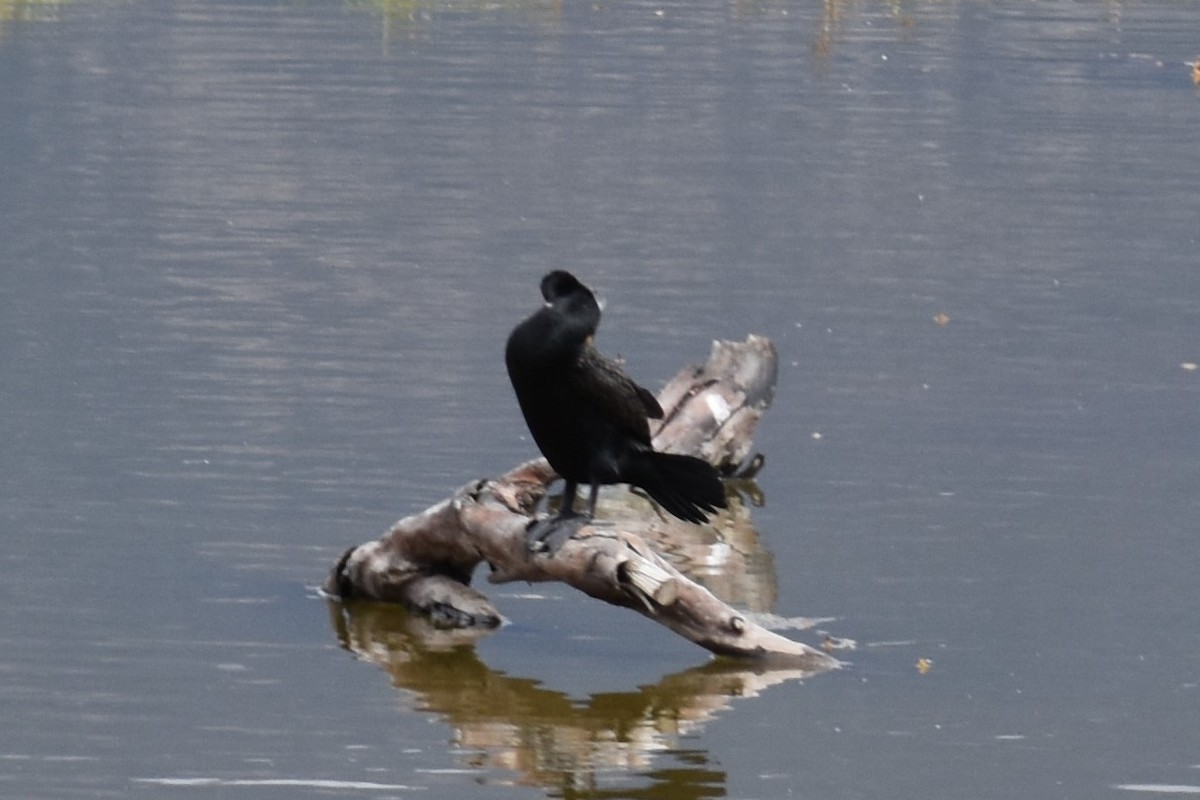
(582, 750)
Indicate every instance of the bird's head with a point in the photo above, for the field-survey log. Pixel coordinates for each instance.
(563, 291)
(561, 284)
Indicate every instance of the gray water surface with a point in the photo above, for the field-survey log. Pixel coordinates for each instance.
(257, 263)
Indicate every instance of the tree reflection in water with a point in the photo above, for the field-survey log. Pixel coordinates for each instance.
(569, 748)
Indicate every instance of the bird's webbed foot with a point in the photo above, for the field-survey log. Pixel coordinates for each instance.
(549, 534)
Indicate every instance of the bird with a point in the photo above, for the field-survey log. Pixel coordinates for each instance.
(591, 420)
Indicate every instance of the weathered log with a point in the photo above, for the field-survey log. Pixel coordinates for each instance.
(426, 560)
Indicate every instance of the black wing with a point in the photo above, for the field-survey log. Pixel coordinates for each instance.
(624, 404)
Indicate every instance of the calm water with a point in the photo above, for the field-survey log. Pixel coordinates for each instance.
(257, 260)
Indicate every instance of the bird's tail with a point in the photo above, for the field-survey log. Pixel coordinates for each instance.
(687, 487)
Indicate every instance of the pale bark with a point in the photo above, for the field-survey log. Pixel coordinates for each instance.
(426, 560)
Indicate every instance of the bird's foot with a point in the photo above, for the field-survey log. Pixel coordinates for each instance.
(548, 534)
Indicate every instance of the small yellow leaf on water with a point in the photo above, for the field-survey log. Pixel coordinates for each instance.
(924, 665)
(941, 319)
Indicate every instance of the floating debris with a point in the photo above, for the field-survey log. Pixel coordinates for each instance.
(830, 643)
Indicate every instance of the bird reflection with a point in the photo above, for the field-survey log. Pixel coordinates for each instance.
(591, 749)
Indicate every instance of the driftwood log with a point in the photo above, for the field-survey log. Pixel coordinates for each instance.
(426, 561)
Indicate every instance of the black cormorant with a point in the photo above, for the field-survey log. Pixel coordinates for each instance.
(590, 420)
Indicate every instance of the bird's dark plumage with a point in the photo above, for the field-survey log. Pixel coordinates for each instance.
(588, 417)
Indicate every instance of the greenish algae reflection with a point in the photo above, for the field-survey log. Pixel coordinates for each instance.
(29, 11)
(402, 18)
(406, 17)
(605, 747)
